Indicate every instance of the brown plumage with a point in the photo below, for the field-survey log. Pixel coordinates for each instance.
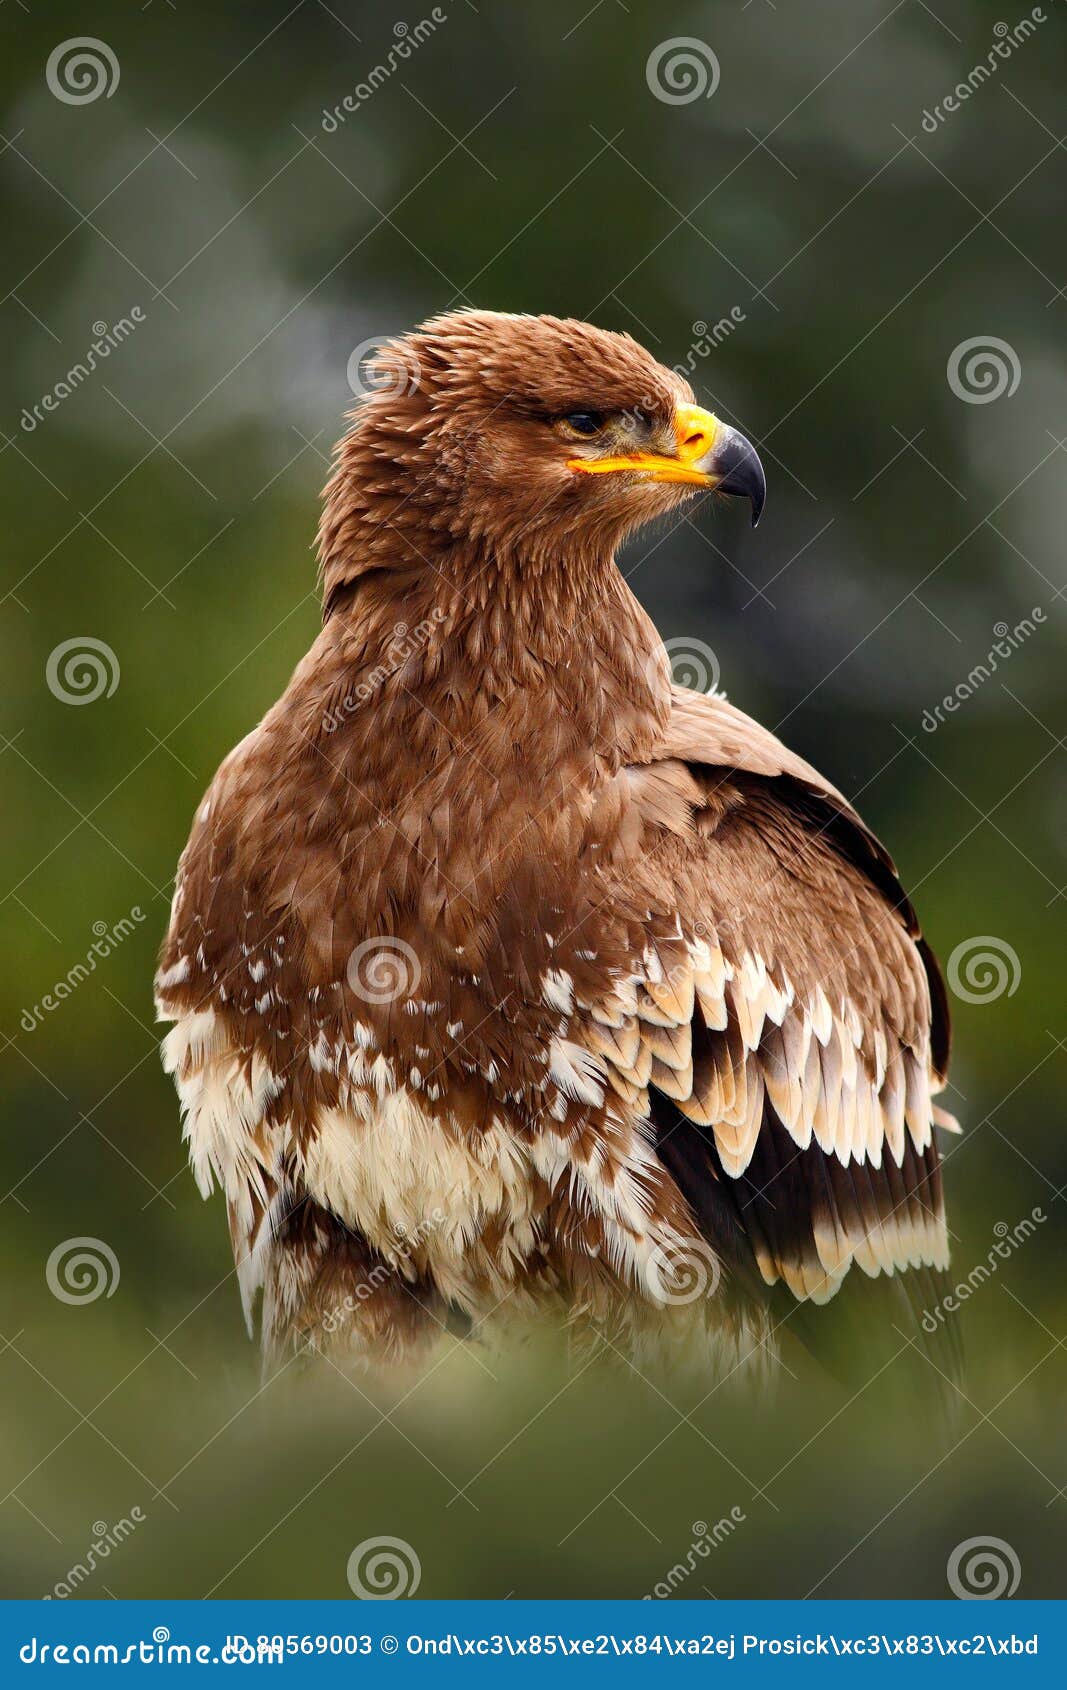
(505, 974)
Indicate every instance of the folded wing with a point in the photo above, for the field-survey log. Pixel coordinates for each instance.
(795, 1018)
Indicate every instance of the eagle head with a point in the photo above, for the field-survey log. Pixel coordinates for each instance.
(483, 428)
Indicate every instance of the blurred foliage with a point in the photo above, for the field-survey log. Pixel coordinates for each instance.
(518, 159)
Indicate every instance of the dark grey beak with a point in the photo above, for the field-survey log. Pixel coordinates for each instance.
(734, 461)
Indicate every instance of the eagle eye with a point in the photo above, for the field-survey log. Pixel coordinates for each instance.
(584, 422)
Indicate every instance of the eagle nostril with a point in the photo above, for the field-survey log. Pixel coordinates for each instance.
(695, 445)
(695, 432)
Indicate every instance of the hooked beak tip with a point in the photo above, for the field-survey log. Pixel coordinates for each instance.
(735, 462)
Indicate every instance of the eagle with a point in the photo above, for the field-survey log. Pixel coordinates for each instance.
(510, 980)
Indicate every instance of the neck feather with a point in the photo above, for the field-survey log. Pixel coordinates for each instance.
(561, 650)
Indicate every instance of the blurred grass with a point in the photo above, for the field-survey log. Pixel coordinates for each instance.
(884, 569)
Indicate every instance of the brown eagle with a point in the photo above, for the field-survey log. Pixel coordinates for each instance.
(505, 974)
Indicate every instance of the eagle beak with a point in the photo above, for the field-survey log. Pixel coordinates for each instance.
(729, 461)
(709, 454)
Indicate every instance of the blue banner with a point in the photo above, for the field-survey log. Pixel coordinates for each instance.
(414, 1642)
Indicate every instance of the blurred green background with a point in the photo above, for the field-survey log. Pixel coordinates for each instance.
(520, 158)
